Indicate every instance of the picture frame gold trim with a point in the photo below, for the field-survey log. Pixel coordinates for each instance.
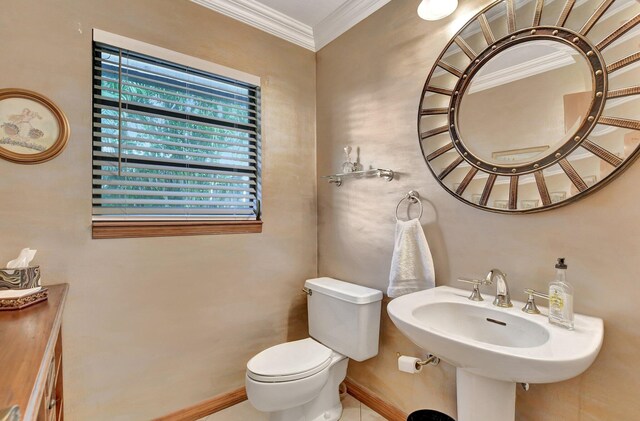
(63, 128)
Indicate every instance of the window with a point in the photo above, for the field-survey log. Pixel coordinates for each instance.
(173, 146)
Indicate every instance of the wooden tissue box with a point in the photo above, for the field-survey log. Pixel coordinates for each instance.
(20, 278)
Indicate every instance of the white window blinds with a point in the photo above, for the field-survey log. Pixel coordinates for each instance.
(171, 141)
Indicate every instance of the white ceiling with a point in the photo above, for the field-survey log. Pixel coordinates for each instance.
(309, 12)
(309, 23)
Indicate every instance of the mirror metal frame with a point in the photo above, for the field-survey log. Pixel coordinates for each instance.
(599, 72)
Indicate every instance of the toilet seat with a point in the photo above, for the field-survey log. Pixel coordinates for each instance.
(289, 361)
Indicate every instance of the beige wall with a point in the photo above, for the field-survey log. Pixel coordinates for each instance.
(154, 325)
(368, 88)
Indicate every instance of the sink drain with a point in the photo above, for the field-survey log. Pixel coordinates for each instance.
(498, 322)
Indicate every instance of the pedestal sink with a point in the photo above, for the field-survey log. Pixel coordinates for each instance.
(494, 348)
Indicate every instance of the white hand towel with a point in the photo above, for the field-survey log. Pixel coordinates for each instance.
(412, 264)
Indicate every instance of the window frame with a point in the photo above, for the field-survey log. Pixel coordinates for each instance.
(104, 227)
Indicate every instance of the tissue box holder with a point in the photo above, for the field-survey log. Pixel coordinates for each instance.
(20, 278)
(22, 302)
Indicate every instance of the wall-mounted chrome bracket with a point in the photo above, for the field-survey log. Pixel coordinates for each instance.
(373, 172)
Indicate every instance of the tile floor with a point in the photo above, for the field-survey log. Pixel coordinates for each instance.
(353, 410)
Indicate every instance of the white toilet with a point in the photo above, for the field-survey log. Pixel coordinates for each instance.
(298, 381)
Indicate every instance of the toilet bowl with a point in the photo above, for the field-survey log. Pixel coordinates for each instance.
(299, 380)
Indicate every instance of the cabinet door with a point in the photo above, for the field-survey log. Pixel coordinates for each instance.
(51, 404)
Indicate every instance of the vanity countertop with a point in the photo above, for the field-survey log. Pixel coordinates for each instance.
(28, 339)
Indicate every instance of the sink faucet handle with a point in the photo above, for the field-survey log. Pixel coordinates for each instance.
(531, 307)
(475, 294)
(474, 281)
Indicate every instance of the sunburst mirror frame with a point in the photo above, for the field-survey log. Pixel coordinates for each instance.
(479, 168)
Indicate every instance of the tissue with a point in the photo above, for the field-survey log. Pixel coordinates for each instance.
(22, 261)
(409, 364)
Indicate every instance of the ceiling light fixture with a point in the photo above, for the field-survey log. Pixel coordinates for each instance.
(436, 9)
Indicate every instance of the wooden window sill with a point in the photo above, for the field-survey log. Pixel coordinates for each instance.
(138, 229)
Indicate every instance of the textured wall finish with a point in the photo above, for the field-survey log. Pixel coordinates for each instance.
(153, 325)
(368, 86)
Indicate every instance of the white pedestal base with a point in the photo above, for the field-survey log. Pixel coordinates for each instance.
(482, 399)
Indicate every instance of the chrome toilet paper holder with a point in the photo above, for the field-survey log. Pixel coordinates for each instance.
(431, 359)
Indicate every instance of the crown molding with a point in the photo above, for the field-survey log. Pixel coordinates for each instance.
(344, 18)
(522, 70)
(276, 23)
(264, 18)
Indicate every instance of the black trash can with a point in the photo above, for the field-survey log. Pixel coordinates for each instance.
(429, 415)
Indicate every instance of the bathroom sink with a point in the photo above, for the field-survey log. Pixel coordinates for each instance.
(481, 324)
(494, 348)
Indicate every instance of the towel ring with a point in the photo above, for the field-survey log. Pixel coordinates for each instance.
(413, 197)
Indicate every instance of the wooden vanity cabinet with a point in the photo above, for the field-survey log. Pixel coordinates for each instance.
(51, 404)
(31, 358)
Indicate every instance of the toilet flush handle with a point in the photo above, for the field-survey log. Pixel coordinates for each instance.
(307, 291)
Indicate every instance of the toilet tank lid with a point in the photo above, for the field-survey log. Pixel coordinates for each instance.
(345, 291)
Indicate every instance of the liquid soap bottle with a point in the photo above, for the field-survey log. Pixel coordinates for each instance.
(561, 298)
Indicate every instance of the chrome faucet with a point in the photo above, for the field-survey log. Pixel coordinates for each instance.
(503, 299)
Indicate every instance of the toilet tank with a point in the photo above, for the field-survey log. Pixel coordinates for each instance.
(344, 317)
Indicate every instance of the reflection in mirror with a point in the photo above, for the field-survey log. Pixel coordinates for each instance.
(474, 188)
(580, 13)
(588, 167)
(551, 12)
(619, 12)
(499, 197)
(436, 146)
(443, 79)
(456, 177)
(623, 46)
(623, 107)
(497, 19)
(442, 162)
(432, 144)
(618, 141)
(433, 100)
(474, 38)
(454, 56)
(524, 11)
(624, 77)
(474, 192)
(525, 102)
(558, 183)
(528, 192)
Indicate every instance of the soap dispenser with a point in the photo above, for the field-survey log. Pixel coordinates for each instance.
(561, 298)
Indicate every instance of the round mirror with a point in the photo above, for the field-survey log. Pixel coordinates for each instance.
(525, 102)
(532, 105)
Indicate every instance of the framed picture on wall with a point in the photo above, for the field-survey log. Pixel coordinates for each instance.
(32, 128)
